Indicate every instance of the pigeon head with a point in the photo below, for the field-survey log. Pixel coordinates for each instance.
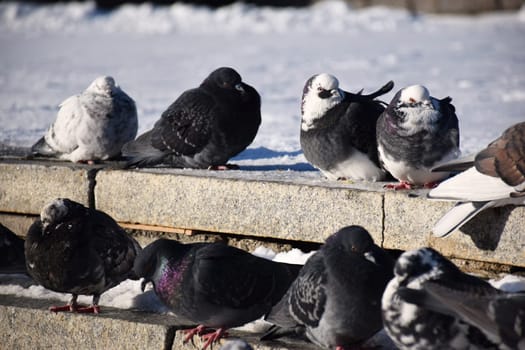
(58, 210)
(103, 84)
(353, 239)
(415, 95)
(321, 93)
(225, 78)
(151, 260)
(417, 266)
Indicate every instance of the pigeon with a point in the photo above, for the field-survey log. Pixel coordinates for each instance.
(500, 316)
(336, 299)
(338, 129)
(91, 126)
(494, 177)
(414, 133)
(452, 322)
(213, 285)
(203, 128)
(12, 257)
(78, 250)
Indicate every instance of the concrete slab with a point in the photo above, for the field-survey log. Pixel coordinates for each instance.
(262, 204)
(26, 186)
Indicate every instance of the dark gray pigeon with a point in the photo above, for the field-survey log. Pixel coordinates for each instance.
(12, 258)
(414, 133)
(336, 299)
(494, 177)
(204, 127)
(77, 250)
(417, 316)
(213, 285)
(91, 126)
(338, 129)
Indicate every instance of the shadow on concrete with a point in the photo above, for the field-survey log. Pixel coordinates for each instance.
(493, 220)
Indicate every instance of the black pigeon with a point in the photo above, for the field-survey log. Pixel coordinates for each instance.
(336, 299)
(11, 252)
(431, 304)
(338, 129)
(414, 133)
(494, 177)
(203, 128)
(213, 285)
(77, 250)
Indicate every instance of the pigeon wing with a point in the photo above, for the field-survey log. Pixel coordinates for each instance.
(234, 278)
(185, 127)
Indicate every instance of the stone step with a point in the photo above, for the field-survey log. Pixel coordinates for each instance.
(283, 205)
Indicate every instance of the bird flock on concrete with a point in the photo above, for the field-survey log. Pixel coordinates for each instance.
(347, 291)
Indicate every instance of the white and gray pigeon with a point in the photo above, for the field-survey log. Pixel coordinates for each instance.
(91, 126)
(78, 250)
(336, 299)
(414, 133)
(338, 129)
(494, 177)
(430, 304)
(203, 128)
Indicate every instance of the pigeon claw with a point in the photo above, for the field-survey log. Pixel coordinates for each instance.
(93, 309)
(68, 308)
(190, 333)
(403, 185)
(213, 337)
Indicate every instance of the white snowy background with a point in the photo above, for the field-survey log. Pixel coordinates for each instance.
(48, 53)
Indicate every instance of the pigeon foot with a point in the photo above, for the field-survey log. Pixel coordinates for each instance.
(403, 185)
(190, 333)
(213, 337)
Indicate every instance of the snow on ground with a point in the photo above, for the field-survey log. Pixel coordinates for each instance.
(155, 53)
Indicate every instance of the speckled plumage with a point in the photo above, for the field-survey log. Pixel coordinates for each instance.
(414, 326)
(338, 129)
(78, 250)
(416, 133)
(93, 125)
(336, 299)
(213, 284)
(204, 127)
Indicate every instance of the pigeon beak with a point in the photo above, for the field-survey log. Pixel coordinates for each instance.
(239, 87)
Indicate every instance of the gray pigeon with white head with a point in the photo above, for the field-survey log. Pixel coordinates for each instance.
(338, 129)
(414, 133)
(91, 126)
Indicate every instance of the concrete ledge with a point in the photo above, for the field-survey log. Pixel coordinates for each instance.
(282, 205)
(27, 324)
(26, 186)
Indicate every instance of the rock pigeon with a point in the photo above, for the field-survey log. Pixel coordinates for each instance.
(91, 126)
(410, 321)
(213, 285)
(494, 177)
(338, 129)
(414, 133)
(204, 127)
(336, 299)
(78, 250)
(11, 251)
